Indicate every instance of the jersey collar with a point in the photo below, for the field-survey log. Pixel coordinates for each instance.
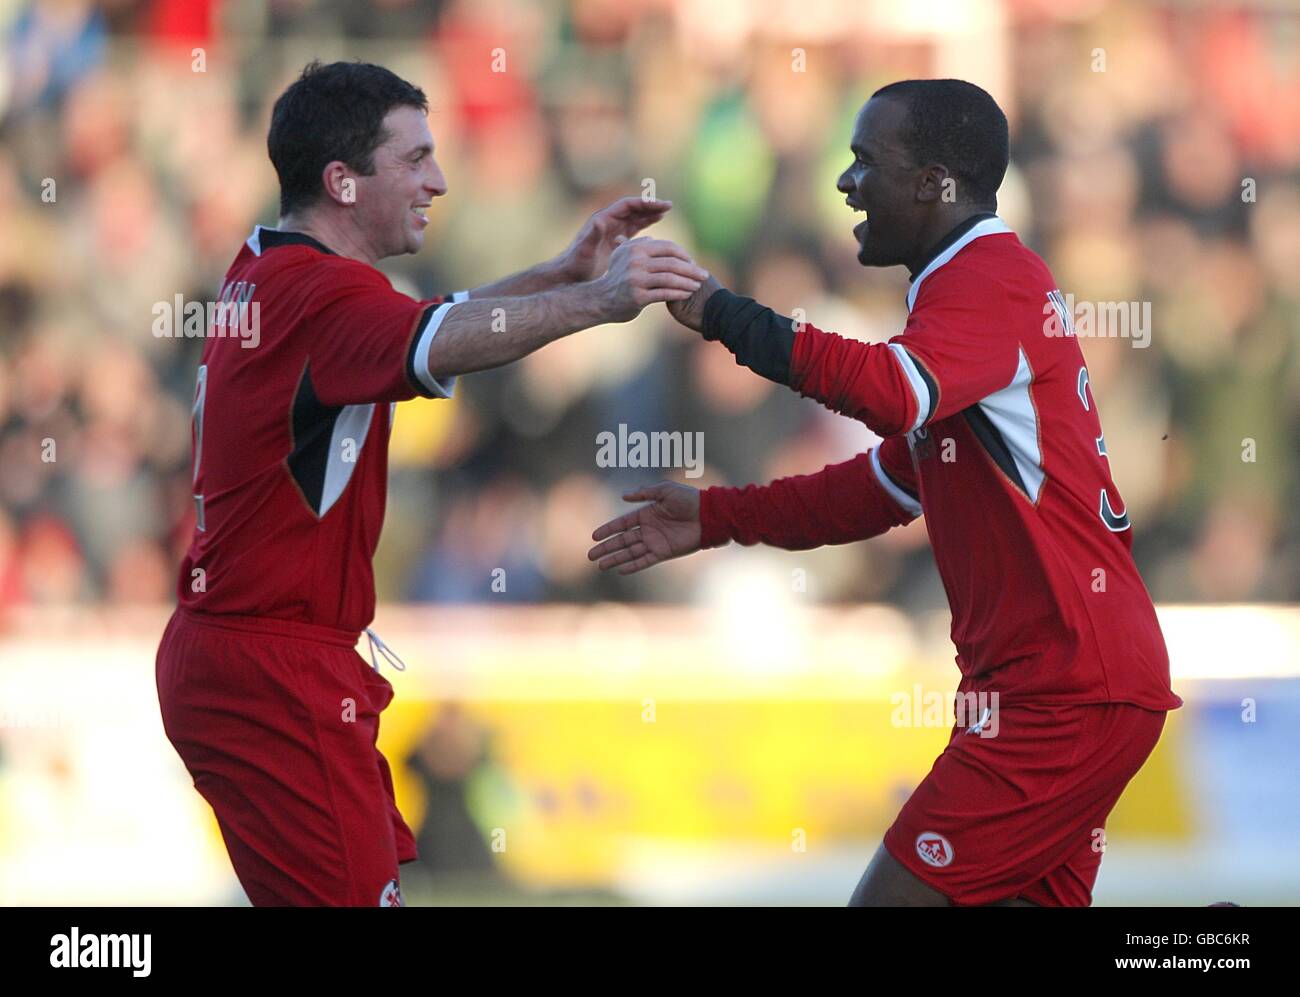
(264, 238)
(984, 223)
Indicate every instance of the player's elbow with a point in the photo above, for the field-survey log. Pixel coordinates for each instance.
(886, 420)
(435, 368)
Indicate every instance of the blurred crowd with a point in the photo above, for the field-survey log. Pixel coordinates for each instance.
(1155, 158)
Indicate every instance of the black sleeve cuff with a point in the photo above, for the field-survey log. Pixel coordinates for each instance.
(761, 339)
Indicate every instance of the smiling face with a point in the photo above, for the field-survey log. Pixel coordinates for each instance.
(391, 203)
(884, 182)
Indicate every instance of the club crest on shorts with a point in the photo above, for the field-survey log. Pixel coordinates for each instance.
(391, 895)
(934, 849)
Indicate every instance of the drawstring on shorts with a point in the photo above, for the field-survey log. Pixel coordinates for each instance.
(385, 651)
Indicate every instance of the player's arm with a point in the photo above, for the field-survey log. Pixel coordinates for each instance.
(366, 342)
(482, 333)
(842, 503)
(947, 358)
(587, 256)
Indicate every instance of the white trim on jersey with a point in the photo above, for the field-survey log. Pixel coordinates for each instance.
(458, 296)
(914, 378)
(445, 387)
(910, 505)
(254, 241)
(353, 423)
(1011, 411)
(989, 226)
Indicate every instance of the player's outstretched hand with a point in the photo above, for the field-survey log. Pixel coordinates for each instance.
(643, 271)
(588, 255)
(669, 527)
(690, 311)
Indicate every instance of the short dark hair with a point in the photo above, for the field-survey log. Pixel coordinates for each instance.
(332, 112)
(959, 125)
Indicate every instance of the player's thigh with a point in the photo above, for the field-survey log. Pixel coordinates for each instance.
(344, 697)
(303, 846)
(888, 883)
(278, 736)
(1128, 736)
(997, 810)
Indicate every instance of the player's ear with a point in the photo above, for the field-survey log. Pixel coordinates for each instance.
(931, 184)
(339, 182)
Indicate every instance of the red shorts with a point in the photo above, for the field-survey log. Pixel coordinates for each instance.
(277, 722)
(1023, 813)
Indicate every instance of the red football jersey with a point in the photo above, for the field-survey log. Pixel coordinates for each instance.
(992, 432)
(292, 413)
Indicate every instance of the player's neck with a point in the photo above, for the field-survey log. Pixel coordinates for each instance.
(943, 231)
(335, 236)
